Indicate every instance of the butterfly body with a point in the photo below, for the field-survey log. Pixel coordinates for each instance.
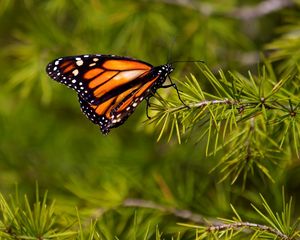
(109, 87)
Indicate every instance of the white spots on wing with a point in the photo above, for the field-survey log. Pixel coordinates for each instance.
(56, 62)
(92, 64)
(103, 120)
(74, 81)
(95, 59)
(79, 62)
(55, 68)
(134, 104)
(75, 72)
(116, 120)
(86, 56)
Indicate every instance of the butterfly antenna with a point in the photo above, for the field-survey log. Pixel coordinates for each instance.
(185, 61)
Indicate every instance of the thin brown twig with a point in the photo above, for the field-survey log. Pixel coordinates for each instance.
(237, 225)
(197, 218)
(261, 9)
(203, 8)
(213, 102)
(231, 102)
(205, 103)
(184, 214)
(241, 13)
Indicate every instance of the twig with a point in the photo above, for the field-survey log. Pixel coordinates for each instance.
(249, 225)
(261, 9)
(213, 102)
(231, 102)
(209, 102)
(184, 214)
(203, 8)
(197, 218)
(242, 13)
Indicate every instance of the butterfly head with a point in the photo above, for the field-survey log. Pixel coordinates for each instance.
(165, 70)
(168, 67)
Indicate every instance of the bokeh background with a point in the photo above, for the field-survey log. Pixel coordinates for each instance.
(45, 139)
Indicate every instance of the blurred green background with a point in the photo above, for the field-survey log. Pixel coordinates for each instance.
(45, 138)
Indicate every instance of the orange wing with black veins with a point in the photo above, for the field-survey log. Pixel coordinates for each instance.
(109, 87)
(97, 78)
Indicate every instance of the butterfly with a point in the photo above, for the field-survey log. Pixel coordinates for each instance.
(109, 87)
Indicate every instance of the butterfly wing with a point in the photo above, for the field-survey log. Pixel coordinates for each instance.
(97, 78)
(109, 87)
(115, 111)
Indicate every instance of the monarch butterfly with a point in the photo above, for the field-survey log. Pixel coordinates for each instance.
(109, 87)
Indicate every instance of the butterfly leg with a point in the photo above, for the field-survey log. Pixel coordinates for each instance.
(147, 106)
(177, 90)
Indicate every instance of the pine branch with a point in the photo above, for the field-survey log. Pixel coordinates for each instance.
(24, 220)
(261, 9)
(248, 225)
(204, 103)
(279, 224)
(245, 114)
(215, 225)
(243, 13)
(181, 213)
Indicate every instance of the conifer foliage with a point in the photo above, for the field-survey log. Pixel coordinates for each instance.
(221, 162)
